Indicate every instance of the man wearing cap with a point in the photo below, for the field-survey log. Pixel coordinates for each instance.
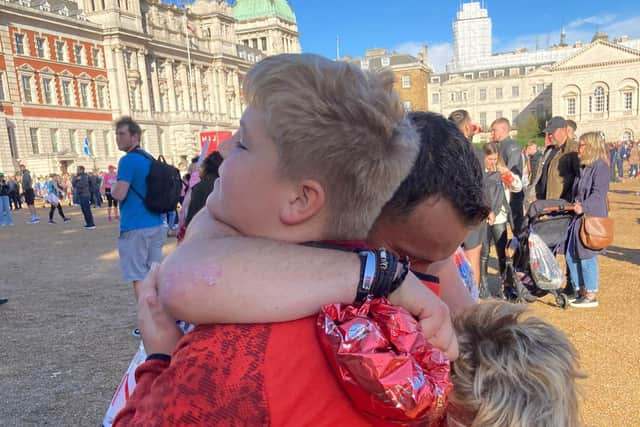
(560, 165)
(511, 154)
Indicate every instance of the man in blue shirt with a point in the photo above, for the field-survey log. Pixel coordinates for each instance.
(141, 232)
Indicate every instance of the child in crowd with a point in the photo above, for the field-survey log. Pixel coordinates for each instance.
(260, 193)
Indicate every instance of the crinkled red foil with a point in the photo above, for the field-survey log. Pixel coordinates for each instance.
(385, 365)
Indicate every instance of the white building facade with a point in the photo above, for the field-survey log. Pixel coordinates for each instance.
(68, 70)
(542, 83)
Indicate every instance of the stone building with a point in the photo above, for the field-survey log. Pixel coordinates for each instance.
(411, 74)
(599, 88)
(68, 70)
(558, 80)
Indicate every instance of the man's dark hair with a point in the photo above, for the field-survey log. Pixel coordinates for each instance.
(210, 165)
(572, 125)
(81, 168)
(459, 116)
(446, 166)
(134, 128)
(195, 159)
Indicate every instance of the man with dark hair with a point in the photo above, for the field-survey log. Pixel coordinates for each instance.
(511, 155)
(141, 231)
(559, 166)
(572, 127)
(473, 242)
(29, 194)
(82, 187)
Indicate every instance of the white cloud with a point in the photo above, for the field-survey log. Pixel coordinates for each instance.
(439, 54)
(581, 29)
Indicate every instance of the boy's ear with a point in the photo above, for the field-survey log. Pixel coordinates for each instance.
(305, 202)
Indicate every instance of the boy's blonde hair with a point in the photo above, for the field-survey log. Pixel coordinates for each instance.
(512, 371)
(339, 125)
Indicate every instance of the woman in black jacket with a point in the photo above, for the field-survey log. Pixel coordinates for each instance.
(590, 198)
(200, 191)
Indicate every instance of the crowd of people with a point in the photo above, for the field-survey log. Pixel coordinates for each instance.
(283, 219)
(568, 169)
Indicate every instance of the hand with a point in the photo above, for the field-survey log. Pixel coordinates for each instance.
(491, 219)
(432, 314)
(159, 331)
(577, 208)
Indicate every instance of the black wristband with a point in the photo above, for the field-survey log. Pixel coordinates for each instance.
(159, 356)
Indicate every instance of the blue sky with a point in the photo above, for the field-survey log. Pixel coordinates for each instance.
(404, 25)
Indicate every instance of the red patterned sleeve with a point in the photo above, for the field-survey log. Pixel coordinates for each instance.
(145, 376)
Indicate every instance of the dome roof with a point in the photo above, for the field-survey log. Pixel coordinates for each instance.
(245, 10)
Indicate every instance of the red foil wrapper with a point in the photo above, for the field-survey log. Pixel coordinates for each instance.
(507, 178)
(390, 372)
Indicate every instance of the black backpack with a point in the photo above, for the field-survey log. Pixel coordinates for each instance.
(163, 185)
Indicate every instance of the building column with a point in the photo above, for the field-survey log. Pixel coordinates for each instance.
(213, 92)
(183, 72)
(198, 81)
(122, 82)
(171, 85)
(222, 89)
(238, 108)
(155, 85)
(144, 81)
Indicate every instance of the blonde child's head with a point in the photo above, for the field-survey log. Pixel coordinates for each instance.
(512, 371)
(331, 144)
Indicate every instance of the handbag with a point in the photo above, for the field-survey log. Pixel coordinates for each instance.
(596, 232)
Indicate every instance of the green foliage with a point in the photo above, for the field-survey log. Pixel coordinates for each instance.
(528, 128)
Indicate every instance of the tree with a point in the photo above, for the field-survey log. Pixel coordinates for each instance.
(528, 128)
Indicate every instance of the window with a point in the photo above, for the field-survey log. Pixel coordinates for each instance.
(406, 82)
(571, 106)
(435, 98)
(19, 38)
(106, 137)
(54, 140)
(498, 93)
(385, 61)
(73, 142)
(95, 57)
(13, 147)
(47, 93)
(515, 91)
(514, 115)
(26, 89)
(364, 64)
(60, 50)
(465, 95)
(263, 42)
(499, 73)
(66, 93)
(599, 99)
(1, 87)
(627, 101)
(452, 96)
(35, 145)
(435, 79)
(498, 114)
(483, 120)
(101, 96)
(468, 76)
(406, 105)
(40, 43)
(84, 94)
(254, 43)
(483, 75)
(77, 50)
(482, 94)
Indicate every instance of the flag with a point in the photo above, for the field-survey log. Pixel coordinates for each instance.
(85, 148)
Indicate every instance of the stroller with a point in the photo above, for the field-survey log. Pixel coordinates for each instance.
(549, 219)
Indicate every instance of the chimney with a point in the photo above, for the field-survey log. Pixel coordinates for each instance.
(423, 55)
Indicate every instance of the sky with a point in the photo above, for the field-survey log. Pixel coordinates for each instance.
(404, 25)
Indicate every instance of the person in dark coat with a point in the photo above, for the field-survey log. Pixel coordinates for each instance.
(590, 198)
(200, 191)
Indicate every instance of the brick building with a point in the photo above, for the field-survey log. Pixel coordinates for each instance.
(67, 70)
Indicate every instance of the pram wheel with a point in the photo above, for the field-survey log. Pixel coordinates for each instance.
(562, 300)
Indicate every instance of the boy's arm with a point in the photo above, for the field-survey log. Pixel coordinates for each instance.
(250, 280)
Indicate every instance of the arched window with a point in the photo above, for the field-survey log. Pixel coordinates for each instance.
(600, 100)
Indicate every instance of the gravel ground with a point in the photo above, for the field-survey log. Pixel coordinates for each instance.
(65, 335)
